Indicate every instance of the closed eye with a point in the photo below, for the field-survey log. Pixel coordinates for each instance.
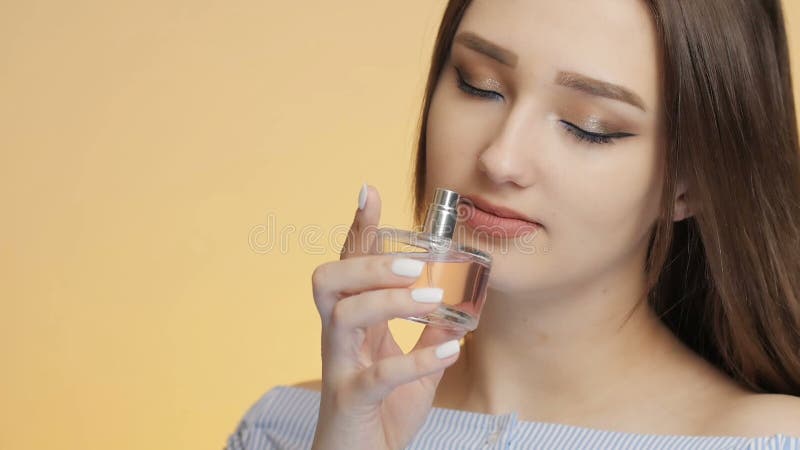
(472, 90)
(592, 138)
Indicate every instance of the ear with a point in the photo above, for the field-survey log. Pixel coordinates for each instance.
(682, 210)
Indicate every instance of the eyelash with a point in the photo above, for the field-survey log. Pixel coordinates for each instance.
(577, 132)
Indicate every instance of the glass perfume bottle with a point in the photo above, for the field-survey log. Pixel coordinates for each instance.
(461, 271)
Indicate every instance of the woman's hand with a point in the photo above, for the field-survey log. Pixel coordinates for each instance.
(373, 396)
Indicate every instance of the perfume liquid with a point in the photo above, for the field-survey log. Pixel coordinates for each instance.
(464, 282)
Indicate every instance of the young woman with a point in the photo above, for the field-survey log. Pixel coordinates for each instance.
(654, 145)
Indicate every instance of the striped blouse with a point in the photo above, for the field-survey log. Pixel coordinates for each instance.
(286, 416)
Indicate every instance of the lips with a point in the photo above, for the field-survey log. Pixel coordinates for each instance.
(497, 221)
(497, 210)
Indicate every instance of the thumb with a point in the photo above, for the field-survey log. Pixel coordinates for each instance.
(361, 236)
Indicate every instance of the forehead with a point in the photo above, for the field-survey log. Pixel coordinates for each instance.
(611, 40)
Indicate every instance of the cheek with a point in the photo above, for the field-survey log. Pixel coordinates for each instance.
(457, 129)
(613, 203)
(452, 140)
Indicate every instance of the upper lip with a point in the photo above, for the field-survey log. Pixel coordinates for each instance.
(498, 210)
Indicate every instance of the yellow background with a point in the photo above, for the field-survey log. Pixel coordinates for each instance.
(150, 152)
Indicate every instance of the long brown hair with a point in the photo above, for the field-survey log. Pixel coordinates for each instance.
(727, 279)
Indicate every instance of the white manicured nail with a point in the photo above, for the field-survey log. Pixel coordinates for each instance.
(407, 267)
(362, 196)
(447, 349)
(427, 295)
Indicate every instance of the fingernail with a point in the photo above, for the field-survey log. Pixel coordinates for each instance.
(407, 267)
(362, 196)
(448, 349)
(427, 295)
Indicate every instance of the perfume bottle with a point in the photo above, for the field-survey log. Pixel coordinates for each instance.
(461, 271)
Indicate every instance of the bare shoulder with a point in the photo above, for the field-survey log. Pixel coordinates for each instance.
(313, 385)
(760, 415)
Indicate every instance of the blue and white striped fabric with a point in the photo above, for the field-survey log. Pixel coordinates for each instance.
(285, 418)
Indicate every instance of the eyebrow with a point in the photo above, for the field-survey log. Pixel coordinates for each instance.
(572, 80)
(481, 45)
(599, 88)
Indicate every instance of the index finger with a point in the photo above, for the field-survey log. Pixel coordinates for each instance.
(361, 235)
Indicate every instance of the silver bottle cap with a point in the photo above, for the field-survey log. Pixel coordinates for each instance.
(440, 221)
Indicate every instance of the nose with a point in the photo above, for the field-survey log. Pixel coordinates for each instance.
(508, 158)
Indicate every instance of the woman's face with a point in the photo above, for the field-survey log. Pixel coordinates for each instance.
(539, 135)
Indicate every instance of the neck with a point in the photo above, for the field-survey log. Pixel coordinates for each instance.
(561, 357)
